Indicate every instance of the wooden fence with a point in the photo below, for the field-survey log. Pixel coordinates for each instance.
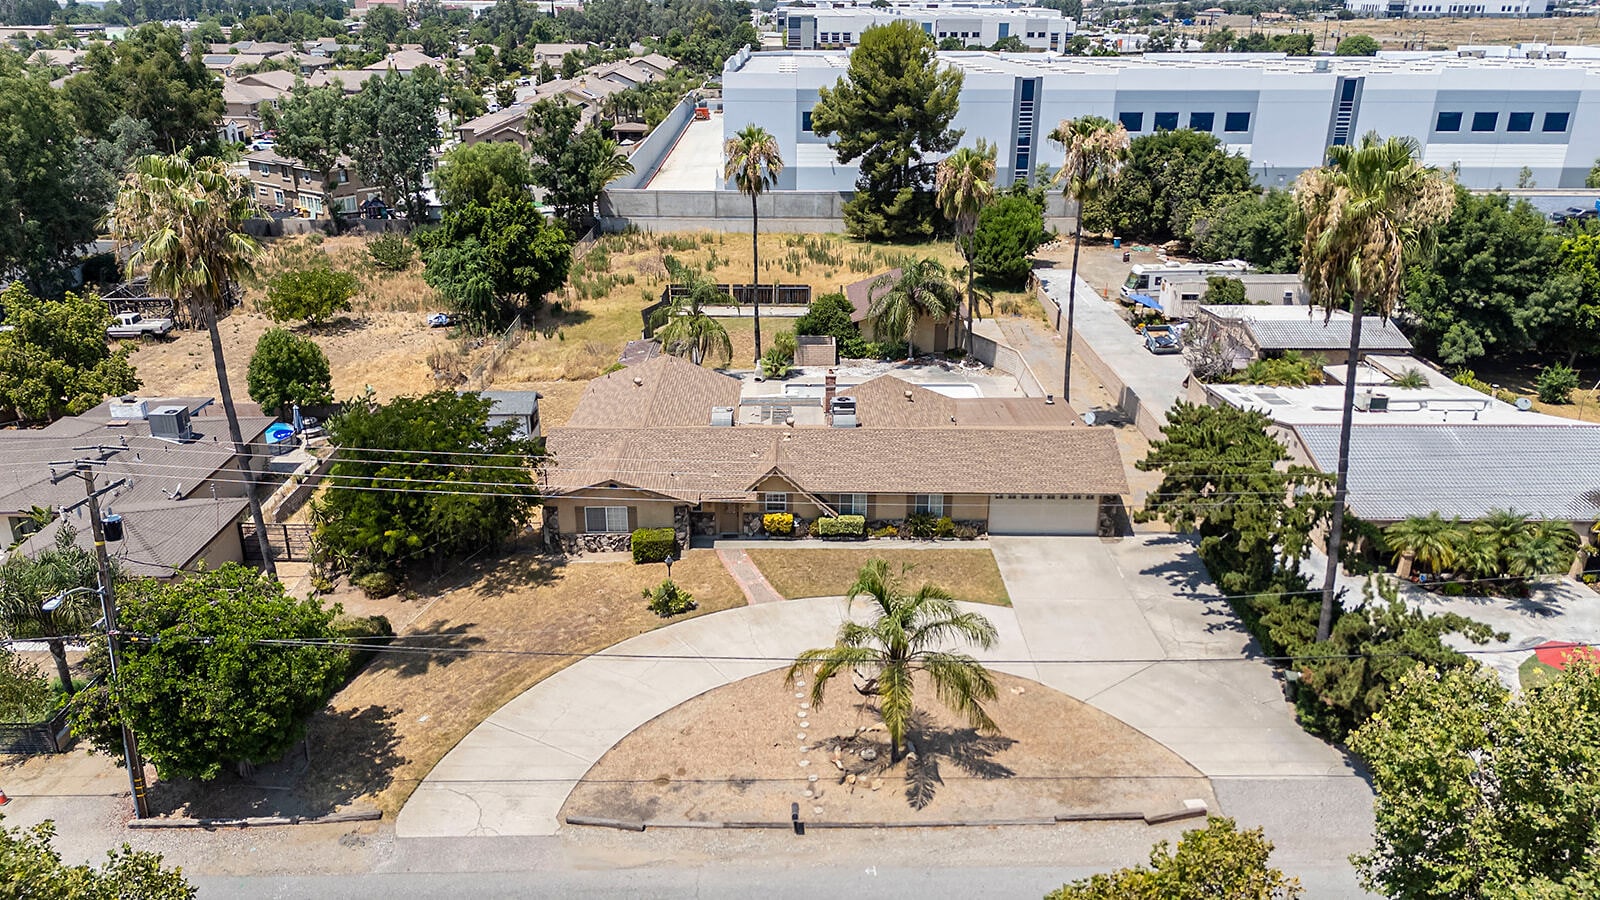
(288, 541)
(483, 373)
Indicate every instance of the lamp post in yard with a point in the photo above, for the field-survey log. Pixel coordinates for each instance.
(669, 561)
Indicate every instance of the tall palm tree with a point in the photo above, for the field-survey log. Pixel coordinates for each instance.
(26, 583)
(1097, 149)
(921, 291)
(964, 184)
(610, 164)
(1369, 212)
(752, 159)
(683, 328)
(184, 219)
(903, 639)
(1429, 540)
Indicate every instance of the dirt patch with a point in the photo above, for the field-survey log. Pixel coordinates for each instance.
(740, 753)
(967, 573)
(1441, 34)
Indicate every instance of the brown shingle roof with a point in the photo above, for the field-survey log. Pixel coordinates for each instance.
(669, 392)
(883, 403)
(158, 538)
(861, 295)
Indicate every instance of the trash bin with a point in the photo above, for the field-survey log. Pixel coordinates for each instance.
(1116, 243)
(1126, 256)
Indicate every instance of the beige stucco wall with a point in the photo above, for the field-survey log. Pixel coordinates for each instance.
(645, 510)
(923, 335)
(224, 548)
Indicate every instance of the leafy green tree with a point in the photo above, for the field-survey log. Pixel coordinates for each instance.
(1259, 229)
(546, 73)
(830, 314)
(494, 261)
(480, 174)
(384, 23)
(149, 75)
(287, 370)
(922, 290)
(1301, 43)
(1482, 793)
(25, 694)
(444, 482)
(1592, 180)
(49, 212)
(1556, 384)
(1251, 42)
(31, 867)
(201, 687)
(1357, 45)
(1096, 152)
(1169, 179)
(1008, 231)
(393, 130)
(573, 167)
(313, 128)
(391, 251)
(27, 582)
(1218, 862)
(682, 326)
(894, 105)
(1570, 313)
(905, 639)
(1369, 212)
(1489, 288)
(964, 184)
(312, 294)
(54, 360)
(752, 162)
(1224, 291)
(1218, 41)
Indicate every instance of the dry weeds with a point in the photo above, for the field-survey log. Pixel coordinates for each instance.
(967, 573)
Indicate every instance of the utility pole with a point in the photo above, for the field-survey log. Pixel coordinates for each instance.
(108, 606)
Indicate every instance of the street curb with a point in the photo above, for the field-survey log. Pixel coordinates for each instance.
(1192, 809)
(352, 815)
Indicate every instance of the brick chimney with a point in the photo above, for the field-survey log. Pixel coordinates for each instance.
(830, 386)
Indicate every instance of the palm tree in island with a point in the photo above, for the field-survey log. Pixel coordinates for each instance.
(922, 290)
(964, 184)
(184, 219)
(1097, 149)
(903, 640)
(753, 162)
(1369, 212)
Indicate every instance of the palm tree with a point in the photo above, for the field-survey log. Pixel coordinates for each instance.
(1429, 540)
(184, 219)
(901, 641)
(26, 583)
(922, 290)
(1370, 211)
(1541, 548)
(752, 160)
(1096, 148)
(610, 164)
(964, 183)
(683, 329)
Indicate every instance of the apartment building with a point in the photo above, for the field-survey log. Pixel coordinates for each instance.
(284, 184)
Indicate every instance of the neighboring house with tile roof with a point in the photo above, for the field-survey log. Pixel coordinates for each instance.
(662, 444)
(183, 496)
(1260, 332)
(931, 335)
(405, 62)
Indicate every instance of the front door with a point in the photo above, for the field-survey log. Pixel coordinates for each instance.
(728, 521)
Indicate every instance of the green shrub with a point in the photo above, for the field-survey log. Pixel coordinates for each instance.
(312, 294)
(778, 523)
(775, 363)
(667, 599)
(1556, 384)
(966, 532)
(391, 251)
(1470, 379)
(830, 315)
(784, 342)
(921, 525)
(887, 531)
(1009, 229)
(945, 527)
(653, 545)
(1289, 370)
(840, 526)
(1224, 291)
(376, 584)
(360, 630)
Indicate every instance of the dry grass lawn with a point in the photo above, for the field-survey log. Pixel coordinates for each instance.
(1446, 34)
(967, 573)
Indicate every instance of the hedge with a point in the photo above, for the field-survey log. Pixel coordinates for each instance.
(653, 545)
(778, 523)
(842, 526)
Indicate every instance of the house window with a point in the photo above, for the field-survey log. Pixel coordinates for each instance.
(1236, 121)
(1448, 121)
(1522, 121)
(775, 502)
(852, 504)
(1485, 121)
(263, 168)
(1166, 121)
(1202, 121)
(805, 121)
(929, 504)
(605, 519)
(1556, 121)
(1132, 121)
(277, 197)
(344, 177)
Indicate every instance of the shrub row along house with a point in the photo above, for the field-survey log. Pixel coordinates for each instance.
(666, 444)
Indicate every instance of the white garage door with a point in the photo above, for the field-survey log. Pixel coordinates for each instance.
(1043, 513)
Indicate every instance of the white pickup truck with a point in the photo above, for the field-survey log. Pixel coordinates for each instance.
(134, 325)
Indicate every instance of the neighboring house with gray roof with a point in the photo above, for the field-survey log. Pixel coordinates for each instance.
(521, 407)
(1261, 332)
(662, 444)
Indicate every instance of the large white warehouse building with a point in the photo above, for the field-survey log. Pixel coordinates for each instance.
(1486, 117)
(829, 25)
(1433, 9)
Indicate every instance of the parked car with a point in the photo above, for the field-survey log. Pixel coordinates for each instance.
(441, 320)
(1161, 340)
(262, 144)
(134, 325)
(1572, 214)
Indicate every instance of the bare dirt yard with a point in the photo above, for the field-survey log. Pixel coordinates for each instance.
(967, 573)
(740, 753)
(467, 643)
(1445, 34)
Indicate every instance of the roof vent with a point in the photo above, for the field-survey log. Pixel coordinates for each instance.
(171, 423)
(722, 416)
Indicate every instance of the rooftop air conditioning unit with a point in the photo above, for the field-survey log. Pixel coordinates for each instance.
(722, 417)
(171, 423)
(1378, 403)
(844, 412)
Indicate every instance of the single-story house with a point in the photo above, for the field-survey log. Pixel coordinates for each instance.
(1262, 332)
(1180, 295)
(657, 445)
(931, 335)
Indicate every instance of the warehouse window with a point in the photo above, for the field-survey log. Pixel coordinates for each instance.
(1202, 121)
(1485, 121)
(1135, 121)
(1236, 121)
(1166, 121)
(1556, 121)
(805, 121)
(1522, 121)
(1448, 121)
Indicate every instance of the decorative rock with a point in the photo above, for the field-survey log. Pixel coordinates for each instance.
(805, 706)
(816, 810)
(877, 784)
(800, 737)
(808, 793)
(804, 763)
(804, 748)
(869, 754)
(838, 765)
(850, 779)
(801, 714)
(800, 695)
(811, 778)
(805, 724)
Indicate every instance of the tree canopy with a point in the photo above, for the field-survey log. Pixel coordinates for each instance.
(431, 479)
(1358, 45)
(393, 128)
(150, 76)
(312, 294)
(54, 359)
(572, 166)
(1259, 229)
(1170, 178)
(198, 685)
(493, 261)
(894, 105)
(479, 174)
(30, 866)
(1008, 231)
(287, 370)
(1218, 862)
(313, 127)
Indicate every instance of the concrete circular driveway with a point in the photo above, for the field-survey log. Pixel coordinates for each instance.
(1112, 624)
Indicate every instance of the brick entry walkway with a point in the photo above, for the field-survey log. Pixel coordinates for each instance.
(754, 584)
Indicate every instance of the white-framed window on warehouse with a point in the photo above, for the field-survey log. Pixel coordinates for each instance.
(605, 519)
(775, 502)
(852, 504)
(929, 504)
